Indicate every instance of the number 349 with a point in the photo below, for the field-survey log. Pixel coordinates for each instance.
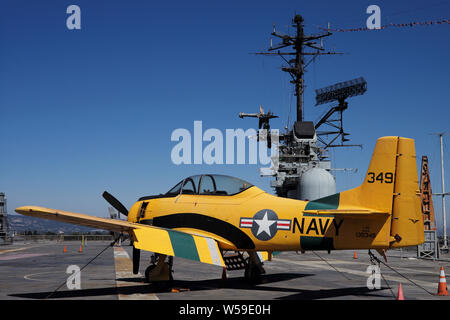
(382, 177)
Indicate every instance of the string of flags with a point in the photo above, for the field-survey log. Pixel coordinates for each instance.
(410, 24)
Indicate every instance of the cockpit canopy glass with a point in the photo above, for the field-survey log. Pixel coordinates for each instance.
(210, 184)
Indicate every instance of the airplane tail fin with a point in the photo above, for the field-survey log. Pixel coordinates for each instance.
(389, 195)
(391, 186)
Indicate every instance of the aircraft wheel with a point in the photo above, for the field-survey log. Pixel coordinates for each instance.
(252, 275)
(147, 272)
(150, 269)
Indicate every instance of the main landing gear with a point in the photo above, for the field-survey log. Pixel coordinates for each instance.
(159, 270)
(254, 269)
(250, 263)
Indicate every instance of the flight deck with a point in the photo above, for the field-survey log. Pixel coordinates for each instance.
(39, 271)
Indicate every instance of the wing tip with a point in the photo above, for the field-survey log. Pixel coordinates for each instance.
(27, 210)
(23, 209)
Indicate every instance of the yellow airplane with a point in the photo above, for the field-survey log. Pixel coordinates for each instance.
(228, 222)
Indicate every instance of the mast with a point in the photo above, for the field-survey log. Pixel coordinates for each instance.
(298, 20)
(296, 66)
(443, 192)
(298, 150)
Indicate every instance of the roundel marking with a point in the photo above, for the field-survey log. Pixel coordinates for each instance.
(265, 224)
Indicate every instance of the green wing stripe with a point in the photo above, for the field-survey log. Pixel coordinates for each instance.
(183, 245)
(329, 202)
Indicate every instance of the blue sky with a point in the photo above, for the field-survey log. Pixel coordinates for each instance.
(89, 110)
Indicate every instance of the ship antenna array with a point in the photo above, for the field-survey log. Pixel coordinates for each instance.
(296, 59)
(338, 92)
(299, 48)
(297, 149)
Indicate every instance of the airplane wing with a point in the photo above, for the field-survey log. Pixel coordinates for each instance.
(149, 238)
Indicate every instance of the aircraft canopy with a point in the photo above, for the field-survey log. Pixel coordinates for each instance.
(210, 184)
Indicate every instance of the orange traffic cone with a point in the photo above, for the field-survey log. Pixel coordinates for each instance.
(400, 295)
(442, 287)
(81, 249)
(355, 256)
(65, 250)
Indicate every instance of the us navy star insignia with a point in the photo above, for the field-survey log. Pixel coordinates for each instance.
(264, 225)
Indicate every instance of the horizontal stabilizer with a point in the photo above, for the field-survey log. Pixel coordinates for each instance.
(350, 213)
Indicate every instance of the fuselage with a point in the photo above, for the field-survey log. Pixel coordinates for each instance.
(383, 212)
(249, 220)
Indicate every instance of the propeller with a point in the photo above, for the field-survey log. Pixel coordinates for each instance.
(136, 258)
(122, 209)
(115, 203)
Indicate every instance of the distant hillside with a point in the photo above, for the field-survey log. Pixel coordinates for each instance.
(21, 224)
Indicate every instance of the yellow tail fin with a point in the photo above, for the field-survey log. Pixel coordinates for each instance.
(407, 218)
(391, 186)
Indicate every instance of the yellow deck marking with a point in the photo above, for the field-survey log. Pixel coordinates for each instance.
(124, 270)
(13, 250)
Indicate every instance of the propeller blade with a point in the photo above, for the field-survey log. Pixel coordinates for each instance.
(136, 259)
(115, 203)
